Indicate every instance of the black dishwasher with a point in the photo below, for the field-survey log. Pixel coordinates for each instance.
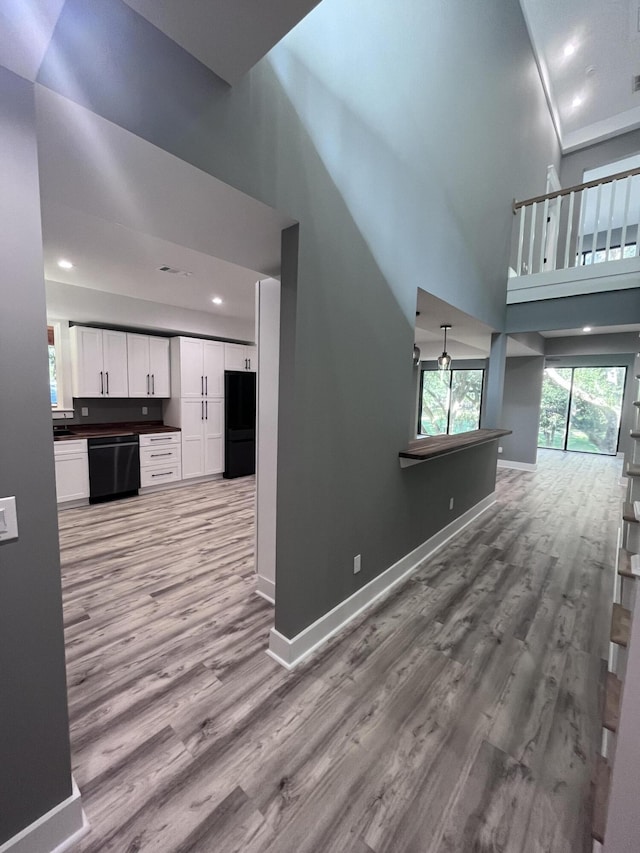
(114, 467)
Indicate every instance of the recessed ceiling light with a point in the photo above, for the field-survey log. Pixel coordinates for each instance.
(575, 103)
(587, 329)
(64, 264)
(569, 49)
(216, 300)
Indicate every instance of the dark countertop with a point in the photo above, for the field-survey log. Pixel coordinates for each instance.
(99, 430)
(432, 446)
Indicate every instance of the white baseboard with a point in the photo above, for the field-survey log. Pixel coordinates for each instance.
(290, 653)
(266, 589)
(55, 832)
(519, 466)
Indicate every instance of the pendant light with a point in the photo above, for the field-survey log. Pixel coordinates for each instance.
(444, 362)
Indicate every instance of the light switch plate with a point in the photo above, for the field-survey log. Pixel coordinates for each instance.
(8, 519)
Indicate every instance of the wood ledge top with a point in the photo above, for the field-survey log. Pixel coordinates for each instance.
(432, 446)
(103, 430)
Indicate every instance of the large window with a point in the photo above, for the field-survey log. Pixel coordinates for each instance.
(581, 408)
(450, 401)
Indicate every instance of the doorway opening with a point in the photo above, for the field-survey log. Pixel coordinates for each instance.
(581, 409)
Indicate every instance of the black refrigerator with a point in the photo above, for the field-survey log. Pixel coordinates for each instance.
(239, 423)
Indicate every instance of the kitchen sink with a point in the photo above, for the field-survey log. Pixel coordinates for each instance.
(62, 431)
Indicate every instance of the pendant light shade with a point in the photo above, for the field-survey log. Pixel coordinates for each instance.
(444, 362)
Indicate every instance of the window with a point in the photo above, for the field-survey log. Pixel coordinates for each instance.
(450, 401)
(581, 408)
(53, 372)
(614, 254)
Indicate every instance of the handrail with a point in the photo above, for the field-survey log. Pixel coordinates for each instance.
(630, 173)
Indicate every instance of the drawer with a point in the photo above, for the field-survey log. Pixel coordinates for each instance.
(166, 454)
(156, 439)
(68, 448)
(160, 474)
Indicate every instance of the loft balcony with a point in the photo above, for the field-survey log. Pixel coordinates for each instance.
(582, 239)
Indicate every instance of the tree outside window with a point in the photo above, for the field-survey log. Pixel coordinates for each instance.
(450, 401)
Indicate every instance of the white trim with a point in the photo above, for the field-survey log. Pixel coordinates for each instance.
(54, 832)
(266, 589)
(592, 278)
(290, 653)
(519, 466)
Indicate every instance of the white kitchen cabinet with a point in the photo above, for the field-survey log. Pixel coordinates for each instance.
(72, 470)
(240, 357)
(98, 362)
(160, 459)
(201, 424)
(148, 366)
(197, 368)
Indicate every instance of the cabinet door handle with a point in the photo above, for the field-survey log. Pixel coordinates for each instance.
(249, 360)
(153, 384)
(147, 384)
(107, 375)
(206, 387)
(201, 410)
(101, 382)
(154, 455)
(202, 386)
(206, 410)
(163, 474)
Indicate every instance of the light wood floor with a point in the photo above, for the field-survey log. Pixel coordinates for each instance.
(461, 715)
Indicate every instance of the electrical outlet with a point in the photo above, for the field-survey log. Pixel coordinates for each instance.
(499, 450)
(450, 503)
(145, 410)
(85, 411)
(356, 564)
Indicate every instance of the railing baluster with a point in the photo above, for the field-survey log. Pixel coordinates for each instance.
(543, 240)
(583, 217)
(523, 213)
(532, 234)
(569, 230)
(611, 205)
(627, 199)
(596, 223)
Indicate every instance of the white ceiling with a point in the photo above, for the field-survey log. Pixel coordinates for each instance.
(228, 36)
(118, 207)
(605, 35)
(595, 330)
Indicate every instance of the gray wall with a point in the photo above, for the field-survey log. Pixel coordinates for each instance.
(35, 772)
(611, 308)
(521, 408)
(574, 165)
(400, 160)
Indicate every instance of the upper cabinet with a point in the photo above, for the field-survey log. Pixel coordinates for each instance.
(240, 357)
(98, 362)
(148, 366)
(197, 368)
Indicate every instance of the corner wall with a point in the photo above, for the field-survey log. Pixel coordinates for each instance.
(35, 771)
(521, 410)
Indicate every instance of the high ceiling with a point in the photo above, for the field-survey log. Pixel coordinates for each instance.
(589, 54)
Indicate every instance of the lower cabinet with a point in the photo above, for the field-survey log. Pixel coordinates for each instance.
(201, 422)
(160, 459)
(72, 470)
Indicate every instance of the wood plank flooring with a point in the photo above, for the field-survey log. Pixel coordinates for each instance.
(463, 714)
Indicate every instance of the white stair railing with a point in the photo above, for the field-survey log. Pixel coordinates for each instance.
(587, 224)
